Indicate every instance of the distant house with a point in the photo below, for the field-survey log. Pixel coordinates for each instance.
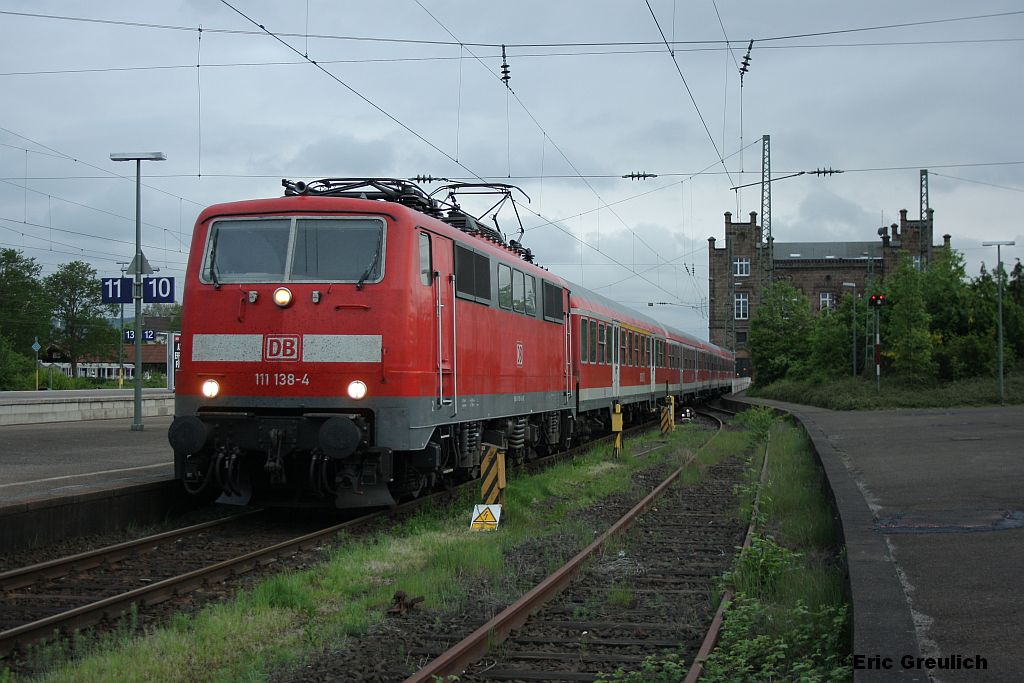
(748, 262)
(154, 359)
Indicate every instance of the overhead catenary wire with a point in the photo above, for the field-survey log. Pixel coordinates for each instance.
(689, 92)
(510, 44)
(504, 78)
(519, 55)
(352, 90)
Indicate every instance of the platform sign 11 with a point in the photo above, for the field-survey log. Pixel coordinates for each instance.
(116, 290)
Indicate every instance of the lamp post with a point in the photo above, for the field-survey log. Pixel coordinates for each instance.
(138, 268)
(999, 244)
(854, 333)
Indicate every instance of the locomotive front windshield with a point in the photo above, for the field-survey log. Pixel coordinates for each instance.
(295, 250)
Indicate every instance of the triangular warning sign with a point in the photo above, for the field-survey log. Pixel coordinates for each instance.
(485, 517)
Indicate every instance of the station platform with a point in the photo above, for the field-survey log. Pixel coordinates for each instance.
(34, 407)
(68, 478)
(932, 510)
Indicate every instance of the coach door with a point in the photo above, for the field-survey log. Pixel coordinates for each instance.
(615, 360)
(446, 365)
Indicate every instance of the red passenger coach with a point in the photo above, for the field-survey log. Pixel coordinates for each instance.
(354, 341)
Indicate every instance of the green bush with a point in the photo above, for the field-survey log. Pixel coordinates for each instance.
(759, 643)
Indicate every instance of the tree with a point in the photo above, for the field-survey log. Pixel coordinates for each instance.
(831, 339)
(909, 335)
(24, 309)
(171, 311)
(80, 325)
(779, 332)
(947, 299)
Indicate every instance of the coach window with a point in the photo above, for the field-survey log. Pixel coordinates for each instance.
(593, 341)
(518, 292)
(584, 343)
(426, 264)
(602, 347)
(505, 286)
(615, 346)
(531, 296)
(472, 275)
(552, 302)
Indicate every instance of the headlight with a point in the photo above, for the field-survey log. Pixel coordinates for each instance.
(282, 296)
(356, 389)
(211, 388)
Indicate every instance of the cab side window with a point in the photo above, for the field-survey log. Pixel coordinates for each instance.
(426, 262)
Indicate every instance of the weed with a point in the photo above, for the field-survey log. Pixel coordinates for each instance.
(620, 595)
(654, 669)
(761, 643)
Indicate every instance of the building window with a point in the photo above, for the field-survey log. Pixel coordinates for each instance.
(741, 266)
(741, 336)
(826, 301)
(741, 306)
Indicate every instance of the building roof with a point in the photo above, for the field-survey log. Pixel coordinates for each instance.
(793, 251)
(151, 353)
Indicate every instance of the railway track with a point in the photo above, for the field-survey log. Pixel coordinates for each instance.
(651, 597)
(82, 590)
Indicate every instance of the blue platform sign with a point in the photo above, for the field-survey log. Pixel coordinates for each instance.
(147, 335)
(117, 290)
(158, 290)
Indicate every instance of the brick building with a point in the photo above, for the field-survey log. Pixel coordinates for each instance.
(739, 270)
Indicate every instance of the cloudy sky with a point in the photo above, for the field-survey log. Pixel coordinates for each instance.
(876, 88)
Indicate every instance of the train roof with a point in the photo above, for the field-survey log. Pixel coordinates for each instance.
(599, 304)
(603, 305)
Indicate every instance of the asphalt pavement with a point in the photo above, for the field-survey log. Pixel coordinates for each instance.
(73, 457)
(932, 503)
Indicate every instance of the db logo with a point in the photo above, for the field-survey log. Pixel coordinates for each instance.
(281, 347)
(519, 354)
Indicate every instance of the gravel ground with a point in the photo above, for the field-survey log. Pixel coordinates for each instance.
(403, 643)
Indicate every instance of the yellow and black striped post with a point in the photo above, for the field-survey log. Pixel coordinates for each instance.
(492, 476)
(617, 429)
(668, 416)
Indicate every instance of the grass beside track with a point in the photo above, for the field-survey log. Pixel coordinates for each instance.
(291, 618)
(789, 618)
(860, 394)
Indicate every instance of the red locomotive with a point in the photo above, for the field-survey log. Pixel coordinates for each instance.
(350, 343)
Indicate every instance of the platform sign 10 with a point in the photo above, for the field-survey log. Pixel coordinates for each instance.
(158, 290)
(116, 290)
